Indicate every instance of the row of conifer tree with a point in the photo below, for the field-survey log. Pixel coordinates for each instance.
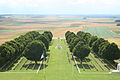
(12, 49)
(82, 43)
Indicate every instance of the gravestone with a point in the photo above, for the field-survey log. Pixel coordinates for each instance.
(118, 69)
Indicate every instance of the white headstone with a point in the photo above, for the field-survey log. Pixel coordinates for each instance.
(118, 67)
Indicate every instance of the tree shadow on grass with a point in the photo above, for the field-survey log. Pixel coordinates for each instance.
(36, 66)
(111, 64)
(87, 59)
(86, 66)
(48, 57)
(10, 64)
(48, 50)
(3, 70)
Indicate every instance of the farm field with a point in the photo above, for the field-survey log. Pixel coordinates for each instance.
(108, 22)
(59, 40)
(102, 32)
(14, 26)
(60, 66)
(118, 32)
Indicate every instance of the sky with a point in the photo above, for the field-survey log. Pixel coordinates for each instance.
(59, 6)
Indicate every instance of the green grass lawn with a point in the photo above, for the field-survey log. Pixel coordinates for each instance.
(59, 66)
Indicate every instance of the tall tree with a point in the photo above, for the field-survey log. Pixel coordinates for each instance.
(95, 45)
(6, 52)
(49, 34)
(74, 43)
(111, 52)
(44, 40)
(34, 50)
(92, 40)
(81, 51)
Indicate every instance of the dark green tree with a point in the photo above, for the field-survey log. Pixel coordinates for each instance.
(95, 45)
(20, 46)
(81, 51)
(72, 40)
(44, 40)
(67, 33)
(44, 34)
(87, 37)
(70, 37)
(111, 52)
(49, 34)
(10, 43)
(74, 43)
(6, 53)
(92, 40)
(34, 50)
(81, 34)
(102, 46)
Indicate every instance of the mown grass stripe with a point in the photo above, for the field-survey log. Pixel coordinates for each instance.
(76, 64)
(23, 64)
(103, 62)
(97, 62)
(17, 64)
(81, 64)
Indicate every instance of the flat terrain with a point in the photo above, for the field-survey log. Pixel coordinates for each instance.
(102, 32)
(60, 66)
(14, 26)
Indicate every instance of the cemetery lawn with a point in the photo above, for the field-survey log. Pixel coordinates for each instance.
(60, 66)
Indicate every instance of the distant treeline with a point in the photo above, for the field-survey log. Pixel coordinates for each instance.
(117, 20)
(118, 24)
